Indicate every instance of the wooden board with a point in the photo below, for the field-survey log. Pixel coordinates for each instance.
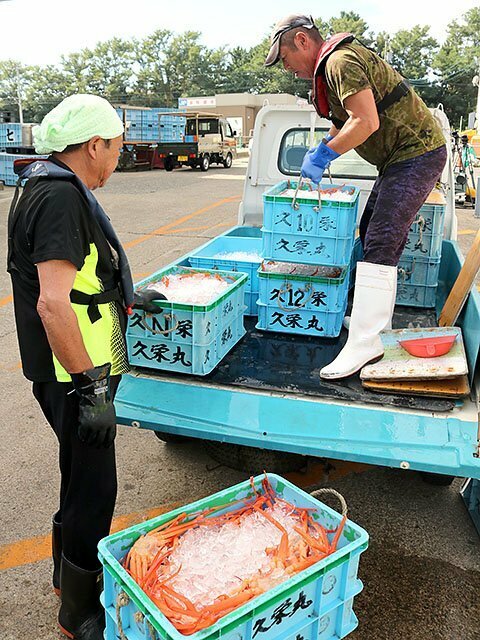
(397, 364)
(454, 388)
(461, 288)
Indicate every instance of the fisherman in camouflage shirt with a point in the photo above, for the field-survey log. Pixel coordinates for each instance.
(374, 111)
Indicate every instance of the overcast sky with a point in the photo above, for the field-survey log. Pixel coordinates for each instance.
(40, 31)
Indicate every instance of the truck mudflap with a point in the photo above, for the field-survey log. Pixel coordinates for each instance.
(470, 493)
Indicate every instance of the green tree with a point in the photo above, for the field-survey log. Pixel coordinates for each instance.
(412, 51)
(15, 78)
(456, 63)
(109, 68)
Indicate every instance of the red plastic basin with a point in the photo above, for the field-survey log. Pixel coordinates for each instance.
(428, 347)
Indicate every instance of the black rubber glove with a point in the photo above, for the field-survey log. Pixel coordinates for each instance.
(97, 422)
(143, 300)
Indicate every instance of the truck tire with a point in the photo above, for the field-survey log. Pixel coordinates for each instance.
(205, 163)
(171, 438)
(252, 460)
(436, 479)
(227, 163)
(169, 164)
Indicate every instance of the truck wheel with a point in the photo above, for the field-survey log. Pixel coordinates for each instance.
(205, 163)
(436, 479)
(252, 460)
(171, 438)
(168, 164)
(227, 163)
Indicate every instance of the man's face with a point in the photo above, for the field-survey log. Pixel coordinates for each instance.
(107, 159)
(299, 58)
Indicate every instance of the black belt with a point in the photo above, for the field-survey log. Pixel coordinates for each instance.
(402, 89)
(94, 299)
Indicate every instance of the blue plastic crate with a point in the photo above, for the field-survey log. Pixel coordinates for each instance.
(306, 234)
(10, 134)
(426, 233)
(417, 281)
(7, 174)
(207, 258)
(323, 324)
(290, 292)
(317, 603)
(357, 256)
(187, 338)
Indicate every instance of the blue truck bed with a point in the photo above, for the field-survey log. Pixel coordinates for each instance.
(266, 393)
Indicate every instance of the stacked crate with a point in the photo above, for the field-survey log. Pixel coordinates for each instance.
(420, 261)
(318, 236)
(7, 174)
(149, 126)
(10, 135)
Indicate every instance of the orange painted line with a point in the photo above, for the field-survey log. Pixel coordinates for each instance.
(30, 550)
(466, 232)
(6, 300)
(161, 230)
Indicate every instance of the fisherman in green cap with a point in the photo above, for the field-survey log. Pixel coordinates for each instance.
(72, 291)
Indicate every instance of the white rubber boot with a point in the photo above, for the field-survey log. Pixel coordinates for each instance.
(346, 320)
(372, 310)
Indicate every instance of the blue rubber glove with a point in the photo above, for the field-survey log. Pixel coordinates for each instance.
(316, 160)
(327, 138)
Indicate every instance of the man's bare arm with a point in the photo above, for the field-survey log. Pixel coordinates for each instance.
(58, 318)
(362, 122)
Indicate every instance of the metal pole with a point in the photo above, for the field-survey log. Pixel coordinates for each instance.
(478, 99)
(477, 200)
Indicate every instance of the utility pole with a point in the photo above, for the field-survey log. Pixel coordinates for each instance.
(478, 99)
(19, 99)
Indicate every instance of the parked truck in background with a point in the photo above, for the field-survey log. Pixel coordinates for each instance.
(209, 139)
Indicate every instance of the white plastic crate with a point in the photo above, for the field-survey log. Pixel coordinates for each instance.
(188, 338)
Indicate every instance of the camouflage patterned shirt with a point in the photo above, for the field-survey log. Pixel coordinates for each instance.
(407, 128)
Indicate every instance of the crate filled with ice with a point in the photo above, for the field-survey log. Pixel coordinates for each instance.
(200, 321)
(233, 254)
(262, 559)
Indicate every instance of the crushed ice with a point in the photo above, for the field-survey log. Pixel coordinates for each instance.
(194, 288)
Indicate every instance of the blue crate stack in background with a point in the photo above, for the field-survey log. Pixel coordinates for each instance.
(15, 143)
(148, 125)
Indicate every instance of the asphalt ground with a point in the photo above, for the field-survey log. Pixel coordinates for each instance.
(422, 569)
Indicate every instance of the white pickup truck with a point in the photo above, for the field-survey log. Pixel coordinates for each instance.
(269, 396)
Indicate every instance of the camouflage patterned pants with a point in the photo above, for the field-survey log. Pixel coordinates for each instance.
(396, 197)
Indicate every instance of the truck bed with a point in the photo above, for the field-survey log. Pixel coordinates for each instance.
(290, 364)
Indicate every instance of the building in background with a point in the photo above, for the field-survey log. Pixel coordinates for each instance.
(240, 109)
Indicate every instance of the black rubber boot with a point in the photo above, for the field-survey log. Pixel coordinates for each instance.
(56, 552)
(81, 615)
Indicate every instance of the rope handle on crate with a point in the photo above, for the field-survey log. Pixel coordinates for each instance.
(295, 206)
(122, 601)
(299, 306)
(421, 226)
(164, 332)
(404, 273)
(326, 491)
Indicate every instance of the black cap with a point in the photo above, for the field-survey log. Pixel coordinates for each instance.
(292, 21)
